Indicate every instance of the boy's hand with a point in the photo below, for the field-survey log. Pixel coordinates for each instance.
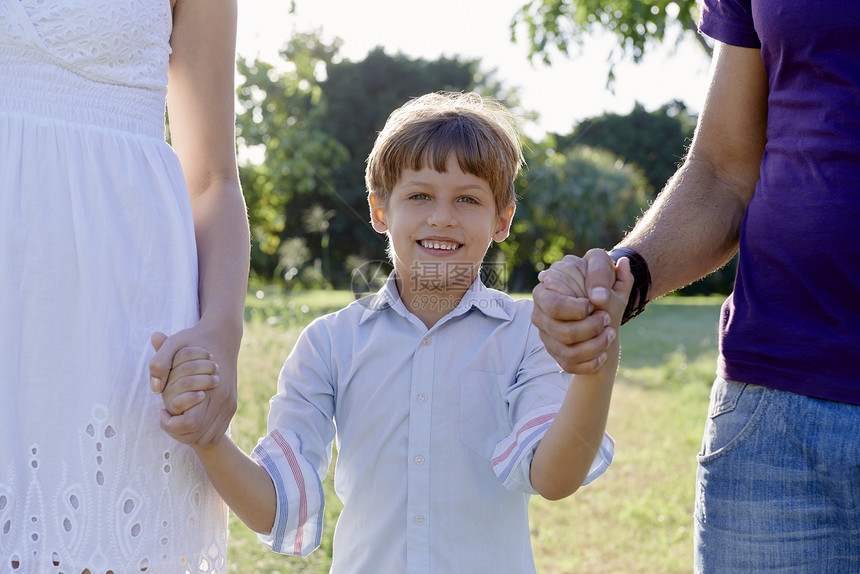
(578, 330)
(192, 372)
(567, 277)
(572, 327)
(208, 399)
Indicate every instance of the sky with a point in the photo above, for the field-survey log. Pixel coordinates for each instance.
(570, 90)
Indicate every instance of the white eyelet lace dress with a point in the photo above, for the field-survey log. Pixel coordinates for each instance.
(97, 251)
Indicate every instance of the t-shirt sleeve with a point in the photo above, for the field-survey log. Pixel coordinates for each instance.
(297, 451)
(533, 403)
(730, 22)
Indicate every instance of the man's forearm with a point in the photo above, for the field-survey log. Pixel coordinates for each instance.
(692, 229)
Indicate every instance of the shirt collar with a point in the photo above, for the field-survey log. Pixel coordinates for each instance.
(488, 301)
(385, 298)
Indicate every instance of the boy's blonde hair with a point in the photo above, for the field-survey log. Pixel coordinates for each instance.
(426, 130)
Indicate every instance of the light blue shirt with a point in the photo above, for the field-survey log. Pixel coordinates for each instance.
(435, 434)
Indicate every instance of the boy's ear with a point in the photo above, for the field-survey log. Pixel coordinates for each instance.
(377, 213)
(503, 225)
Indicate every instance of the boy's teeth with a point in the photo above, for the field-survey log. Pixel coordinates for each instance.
(439, 245)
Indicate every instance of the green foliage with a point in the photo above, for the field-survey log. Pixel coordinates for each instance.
(636, 24)
(274, 305)
(654, 141)
(571, 201)
(361, 95)
(280, 114)
(720, 281)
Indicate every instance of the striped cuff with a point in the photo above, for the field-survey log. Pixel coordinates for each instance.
(301, 502)
(602, 460)
(512, 458)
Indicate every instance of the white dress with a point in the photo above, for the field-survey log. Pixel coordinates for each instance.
(97, 251)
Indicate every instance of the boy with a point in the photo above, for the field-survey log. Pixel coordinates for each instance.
(447, 410)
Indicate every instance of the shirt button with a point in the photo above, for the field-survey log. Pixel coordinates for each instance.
(425, 341)
(419, 520)
(419, 460)
(422, 398)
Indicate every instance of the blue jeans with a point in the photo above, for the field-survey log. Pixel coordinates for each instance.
(778, 485)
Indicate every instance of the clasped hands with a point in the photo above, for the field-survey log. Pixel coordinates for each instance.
(198, 390)
(571, 310)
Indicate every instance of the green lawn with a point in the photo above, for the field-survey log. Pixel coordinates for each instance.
(637, 518)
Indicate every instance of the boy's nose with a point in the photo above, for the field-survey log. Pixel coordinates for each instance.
(441, 216)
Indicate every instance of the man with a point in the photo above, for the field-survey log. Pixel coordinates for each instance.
(772, 172)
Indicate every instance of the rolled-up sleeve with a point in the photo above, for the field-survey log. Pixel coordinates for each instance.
(297, 451)
(512, 458)
(301, 502)
(532, 405)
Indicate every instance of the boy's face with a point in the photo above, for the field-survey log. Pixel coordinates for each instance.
(440, 226)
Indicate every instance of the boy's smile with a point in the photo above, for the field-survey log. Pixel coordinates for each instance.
(440, 225)
(439, 245)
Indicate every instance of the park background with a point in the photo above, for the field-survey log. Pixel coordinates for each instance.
(608, 92)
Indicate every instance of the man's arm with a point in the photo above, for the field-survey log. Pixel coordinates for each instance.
(694, 225)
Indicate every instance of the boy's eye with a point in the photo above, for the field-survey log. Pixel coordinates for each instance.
(468, 199)
(418, 196)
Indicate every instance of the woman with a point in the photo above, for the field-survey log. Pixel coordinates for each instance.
(106, 237)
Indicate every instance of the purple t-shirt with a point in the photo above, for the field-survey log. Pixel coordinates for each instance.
(793, 321)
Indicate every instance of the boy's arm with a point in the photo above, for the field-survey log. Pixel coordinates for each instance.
(277, 490)
(244, 485)
(562, 459)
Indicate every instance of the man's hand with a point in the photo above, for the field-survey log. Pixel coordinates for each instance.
(570, 310)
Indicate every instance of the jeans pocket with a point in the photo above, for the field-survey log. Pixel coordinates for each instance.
(483, 413)
(734, 412)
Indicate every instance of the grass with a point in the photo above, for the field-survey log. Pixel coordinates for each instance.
(637, 518)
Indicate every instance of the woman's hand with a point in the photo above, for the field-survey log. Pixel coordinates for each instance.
(180, 371)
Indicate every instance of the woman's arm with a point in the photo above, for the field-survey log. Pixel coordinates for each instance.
(200, 102)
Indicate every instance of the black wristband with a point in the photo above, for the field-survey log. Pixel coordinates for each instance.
(641, 281)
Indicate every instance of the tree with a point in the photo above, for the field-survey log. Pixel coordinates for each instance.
(280, 110)
(571, 201)
(655, 141)
(636, 24)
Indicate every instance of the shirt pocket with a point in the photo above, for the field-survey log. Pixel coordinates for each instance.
(483, 412)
